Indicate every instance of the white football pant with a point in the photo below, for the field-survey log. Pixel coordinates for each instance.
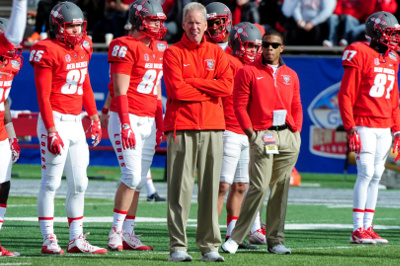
(5, 161)
(73, 160)
(235, 160)
(375, 148)
(134, 163)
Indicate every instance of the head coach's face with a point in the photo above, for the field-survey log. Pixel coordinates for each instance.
(272, 47)
(194, 21)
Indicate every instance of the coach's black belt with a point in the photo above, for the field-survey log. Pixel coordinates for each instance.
(278, 128)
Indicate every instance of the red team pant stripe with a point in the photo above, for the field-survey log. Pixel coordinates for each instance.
(358, 210)
(120, 212)
(70, 220)
(75, 218)
(369, 210)
(45, 218)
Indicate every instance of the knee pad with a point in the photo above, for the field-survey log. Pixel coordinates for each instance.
(51, 184)
(4, 190)
(81, 186)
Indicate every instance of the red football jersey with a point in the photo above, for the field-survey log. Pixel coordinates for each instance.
(9, 70)
(69, 72)
(143, 64)
(369, 93)
(229, 113)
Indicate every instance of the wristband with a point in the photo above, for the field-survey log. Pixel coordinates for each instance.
(104, 110)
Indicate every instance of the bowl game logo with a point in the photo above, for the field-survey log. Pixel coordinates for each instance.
(325, 138)
(210, 63)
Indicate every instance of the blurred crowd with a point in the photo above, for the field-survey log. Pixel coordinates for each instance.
(302, 22)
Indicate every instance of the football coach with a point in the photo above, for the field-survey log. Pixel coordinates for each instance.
(266, 99)
(197, 74)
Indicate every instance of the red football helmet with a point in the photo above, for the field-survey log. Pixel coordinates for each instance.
(221, 12)
(140, 14)
(241, 36)
(12, 54)
(383, 27)
(67, 13)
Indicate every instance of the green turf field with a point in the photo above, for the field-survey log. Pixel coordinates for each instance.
(309, 246)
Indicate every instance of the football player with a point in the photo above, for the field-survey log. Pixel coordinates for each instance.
(369, 107)
(135, 123)
(63, 87)
(234, 174)
(10, 64)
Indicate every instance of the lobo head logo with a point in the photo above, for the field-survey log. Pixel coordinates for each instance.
(56, 13)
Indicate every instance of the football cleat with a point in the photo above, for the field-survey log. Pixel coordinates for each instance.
(7, 253)
(115, 240)
(132, 242)
(155, 197)
(81, 245)
(258, 237)
(360, 236)
(230, 246)
(370, 231)
(50, 245)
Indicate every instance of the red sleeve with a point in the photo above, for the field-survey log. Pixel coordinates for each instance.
(395, 107)
(122, 51)
(5, 45)
(221, 86)
(120, 68)
(159, 116)
(296, 109)
(43, 77)
(43, 54)
(89, 103)
(241, 98)
(347, 95)
(179, 89)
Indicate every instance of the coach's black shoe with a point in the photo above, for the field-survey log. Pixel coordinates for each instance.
(246, 245)
(155, 197)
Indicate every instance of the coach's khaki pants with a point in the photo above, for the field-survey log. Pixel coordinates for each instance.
(273, 171)
(201, 150)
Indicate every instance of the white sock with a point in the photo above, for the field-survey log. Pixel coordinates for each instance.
(368, 217)
(46, 226)
(3, 208)
(231, 224)
(119, 217)
(129, 225)
(75, 227)
(149, 185)
(256, 225)
(358, 219)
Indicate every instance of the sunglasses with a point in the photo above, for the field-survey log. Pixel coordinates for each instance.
(273, 44)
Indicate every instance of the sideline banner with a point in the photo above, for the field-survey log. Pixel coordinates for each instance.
(322, 149)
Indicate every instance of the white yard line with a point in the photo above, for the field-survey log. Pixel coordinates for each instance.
(192, 223)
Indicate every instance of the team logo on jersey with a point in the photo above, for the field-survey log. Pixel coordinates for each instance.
(146, 57)
(376, 61)
(15, 64)
(393, 56)
(67, 58)
(286, 79)
(210, 63)
(86, 45)
(161, 47)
